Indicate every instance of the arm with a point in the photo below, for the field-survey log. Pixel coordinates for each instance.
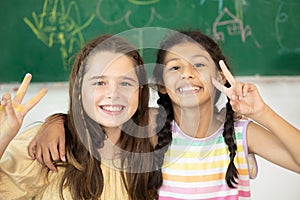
(272, 137)
(49, 144)
(275, 140)
(12, 112)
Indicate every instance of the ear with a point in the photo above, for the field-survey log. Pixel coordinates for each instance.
(161, 89)
(221, 77)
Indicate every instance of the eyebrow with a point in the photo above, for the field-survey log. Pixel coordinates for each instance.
(194, 56)
(103, 77)
(172, 59)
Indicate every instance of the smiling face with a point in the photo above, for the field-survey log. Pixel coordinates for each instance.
(110, 89)
(187, 75)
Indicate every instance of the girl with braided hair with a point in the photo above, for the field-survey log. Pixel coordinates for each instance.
(204, 152)
(106, 145)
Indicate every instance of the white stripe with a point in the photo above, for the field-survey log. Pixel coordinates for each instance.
(194, 184)
(180, 159)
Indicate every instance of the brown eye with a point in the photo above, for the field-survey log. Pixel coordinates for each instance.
(174, 68)
(99, 83)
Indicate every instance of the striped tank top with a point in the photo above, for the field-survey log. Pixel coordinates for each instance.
(195, 168)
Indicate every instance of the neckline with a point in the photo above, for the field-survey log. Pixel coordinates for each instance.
(176, 128)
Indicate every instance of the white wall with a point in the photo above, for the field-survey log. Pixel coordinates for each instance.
(281, 93)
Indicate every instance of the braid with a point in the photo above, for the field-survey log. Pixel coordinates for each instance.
(164, 136)
(83, 137)
(228, 134)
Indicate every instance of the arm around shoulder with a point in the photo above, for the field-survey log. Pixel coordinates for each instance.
(49, 144)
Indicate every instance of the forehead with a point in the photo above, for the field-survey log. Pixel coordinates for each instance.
(109, 64)
(187, 51)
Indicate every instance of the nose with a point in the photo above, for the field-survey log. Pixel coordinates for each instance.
(188, 72)
(112, 91)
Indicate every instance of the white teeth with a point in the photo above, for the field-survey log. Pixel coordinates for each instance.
(112, 108)
(188, 88)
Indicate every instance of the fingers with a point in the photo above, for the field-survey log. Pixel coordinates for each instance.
(32, 102)
(3, 101)
(11, 115)
(227, 73)
(5, 98)
(47, 154)
(23, 88)
(39, 155)
(44, 156)
(62, 150)
(246, 88)
(237, 91)
(218, 85)
(10, 112)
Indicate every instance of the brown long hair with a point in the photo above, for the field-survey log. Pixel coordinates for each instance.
(83, 175)
(165, 134)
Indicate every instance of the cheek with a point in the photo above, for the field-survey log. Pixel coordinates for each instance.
(169, 80)
(88, 101)
(133, 101)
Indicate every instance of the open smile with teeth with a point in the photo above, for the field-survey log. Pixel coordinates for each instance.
(112, 108)
(188, 88)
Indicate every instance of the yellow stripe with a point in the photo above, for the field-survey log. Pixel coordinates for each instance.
(204, 178)
(195, 154)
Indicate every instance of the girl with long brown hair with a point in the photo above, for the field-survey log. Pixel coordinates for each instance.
(108, 153)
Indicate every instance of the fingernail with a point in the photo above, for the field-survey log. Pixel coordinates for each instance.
(63, 159)
(8, 103)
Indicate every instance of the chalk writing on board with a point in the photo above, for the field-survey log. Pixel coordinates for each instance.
(56, 25)
(283, 22)
(228, 24)
(147, 9)
(220, 5)
(238, 4)
(143, 2)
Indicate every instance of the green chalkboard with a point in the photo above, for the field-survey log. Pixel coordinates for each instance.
(259, 37)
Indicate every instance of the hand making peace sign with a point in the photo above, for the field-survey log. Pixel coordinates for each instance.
(244, 97)
(12, 111)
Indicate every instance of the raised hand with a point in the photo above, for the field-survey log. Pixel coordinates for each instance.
(244, 97)
(12, 112)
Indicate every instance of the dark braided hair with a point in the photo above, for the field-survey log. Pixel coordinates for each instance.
(165, 135)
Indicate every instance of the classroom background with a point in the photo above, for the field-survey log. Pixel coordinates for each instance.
(259, 37)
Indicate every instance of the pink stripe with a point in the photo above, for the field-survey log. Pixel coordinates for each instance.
(203, 191)
(244, 193)
(231, 197)
(245, 183)
(166, 198)
(197, 190)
